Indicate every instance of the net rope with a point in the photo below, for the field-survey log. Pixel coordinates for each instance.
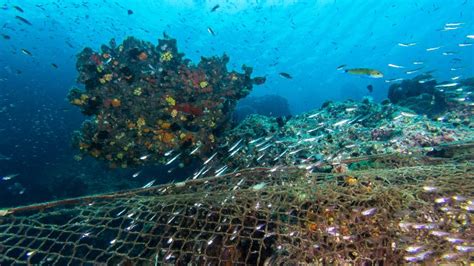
(388, 209)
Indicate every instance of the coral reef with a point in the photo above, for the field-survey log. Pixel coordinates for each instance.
(147, 100)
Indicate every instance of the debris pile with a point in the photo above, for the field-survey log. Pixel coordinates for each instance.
(148, 101)
(336, 132)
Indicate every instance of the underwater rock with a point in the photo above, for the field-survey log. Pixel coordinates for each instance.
(147, 101)
(418, 94)
(268, 105)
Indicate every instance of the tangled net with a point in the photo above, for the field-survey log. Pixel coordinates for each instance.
(388, 209)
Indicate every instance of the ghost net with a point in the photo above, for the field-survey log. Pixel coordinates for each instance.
(387, 210)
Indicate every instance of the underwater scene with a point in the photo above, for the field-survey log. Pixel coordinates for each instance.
(205, 132)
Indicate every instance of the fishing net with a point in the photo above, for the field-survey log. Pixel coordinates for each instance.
(386, 209)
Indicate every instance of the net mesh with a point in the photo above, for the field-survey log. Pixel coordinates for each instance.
(388, 209)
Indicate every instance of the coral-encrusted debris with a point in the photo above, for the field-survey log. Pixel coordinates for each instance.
(147, 100)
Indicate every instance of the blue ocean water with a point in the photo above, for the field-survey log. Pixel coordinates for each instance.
(306, 39)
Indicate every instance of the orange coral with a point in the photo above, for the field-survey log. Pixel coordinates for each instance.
(143, 56)
(95, 153)
(167, 137)
(165, 125)
(83, 146)
(115, 102)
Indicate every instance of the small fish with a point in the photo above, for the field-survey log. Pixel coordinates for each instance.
(405, 114)
(449, 53)
(285, 75)
(370, 88)
(129, 12)
(395, 66)
(366, 72)
(195, 150)
(173, 159)
(54, 65)
(470, 36)
(210, 158)
(209, 29)
(24, 20)
(341, 67)
(144, 157)
(136, 174)
(464, 44)
(418, 63)
(414, 249)
(454, 24)
(393, 80)
(447, 85)
(433, 48)
(429, 188)
(149, 184)
(407, 44)
(215, 8)
(18, 8)
(456, 78)
(340, 123)
(369, 212)
(409, 72)
(235, 145)
(26, 52)
(6, 37)
(422, 81)
(418, 257)
(9, 177)
(450, 28)
(259, 80)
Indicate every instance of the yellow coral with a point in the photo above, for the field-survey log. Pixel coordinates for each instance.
(120, 155)
(140, 122)
(170, 100)
(137, 91)
(108, 77)
(84, 97)
(166, 56)
(203, 84)
(174, 113)
(77, 102)
(167, 137)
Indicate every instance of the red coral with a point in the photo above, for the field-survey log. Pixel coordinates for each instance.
(189, 109)
(96, 59)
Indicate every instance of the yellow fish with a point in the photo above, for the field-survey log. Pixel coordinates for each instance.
(365, 71)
